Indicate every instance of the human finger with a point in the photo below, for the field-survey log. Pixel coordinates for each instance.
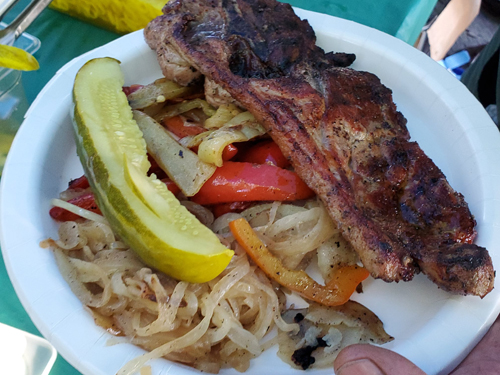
(365, 359)
(484, 358)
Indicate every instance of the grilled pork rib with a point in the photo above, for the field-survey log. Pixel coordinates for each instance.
(342, 132)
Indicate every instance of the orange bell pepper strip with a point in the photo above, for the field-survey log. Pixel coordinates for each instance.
(336, 292)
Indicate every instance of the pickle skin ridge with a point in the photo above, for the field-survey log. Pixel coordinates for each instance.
(127, 223)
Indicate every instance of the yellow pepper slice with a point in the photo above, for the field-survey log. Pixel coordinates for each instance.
(16, 58)
(336, 292)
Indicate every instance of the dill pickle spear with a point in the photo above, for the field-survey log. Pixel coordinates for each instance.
(140, 209)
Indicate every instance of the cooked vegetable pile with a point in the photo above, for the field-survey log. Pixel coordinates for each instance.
(189, 228)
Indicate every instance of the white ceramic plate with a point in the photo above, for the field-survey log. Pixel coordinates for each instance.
(432, 328)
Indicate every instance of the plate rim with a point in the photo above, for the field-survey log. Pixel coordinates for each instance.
(319, 18)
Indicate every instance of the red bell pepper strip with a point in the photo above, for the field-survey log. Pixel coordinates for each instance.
(86, 201)
(130, 89)
(229, 152)
(336, 292)
(180, 128)
(266, 152)
(243, 182)
(79, 183)
(171, 185)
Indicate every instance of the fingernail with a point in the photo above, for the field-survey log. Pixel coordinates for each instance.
(359, 367)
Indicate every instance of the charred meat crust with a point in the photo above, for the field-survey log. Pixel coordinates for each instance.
(343, 134)
(461, 268)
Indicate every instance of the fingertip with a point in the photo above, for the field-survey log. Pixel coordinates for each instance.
(349, 354)
(373, 358)
(358, 367)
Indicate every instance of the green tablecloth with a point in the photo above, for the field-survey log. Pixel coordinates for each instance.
(64, 38)
(403, 19)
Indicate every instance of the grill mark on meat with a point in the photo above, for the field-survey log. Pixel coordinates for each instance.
(343, 134)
